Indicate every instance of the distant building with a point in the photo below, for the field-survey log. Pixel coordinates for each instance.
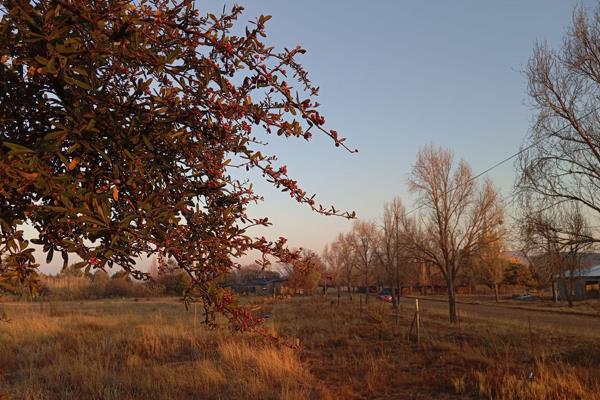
(430, 281)
(260, 286)
(586, 285)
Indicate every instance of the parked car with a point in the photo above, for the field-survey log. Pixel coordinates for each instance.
(385, 297)
(524, 296)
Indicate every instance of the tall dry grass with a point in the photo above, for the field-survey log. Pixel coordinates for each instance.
(140, 351)
(368, 354)
(154, 350)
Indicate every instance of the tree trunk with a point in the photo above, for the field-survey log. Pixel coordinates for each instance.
(350, 292)
(496, 292)
(451, 301)
(367, 287)
(569, 292)
(554, 294)
(398, 285)
(339, 294)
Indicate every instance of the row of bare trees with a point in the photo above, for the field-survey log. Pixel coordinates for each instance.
(369, 255)
(556, 241)
(372, 254)
(459, 225)
(456, 222)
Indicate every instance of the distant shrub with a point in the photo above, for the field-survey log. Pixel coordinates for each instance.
(65, 287)
(173, 283)
(119, 287)
(72, 285)
(88, 287)
(97, 287)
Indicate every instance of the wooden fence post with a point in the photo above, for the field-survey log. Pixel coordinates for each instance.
(418, 322)
(195, 316)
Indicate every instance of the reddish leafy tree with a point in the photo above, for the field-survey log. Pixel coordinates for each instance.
(120, 124)
(305, 274)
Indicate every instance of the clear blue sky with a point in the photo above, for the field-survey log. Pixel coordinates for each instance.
(395, 75)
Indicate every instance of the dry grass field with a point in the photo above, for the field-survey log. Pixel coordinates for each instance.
(152, 349)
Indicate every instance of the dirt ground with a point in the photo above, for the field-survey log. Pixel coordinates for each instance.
(557, 322)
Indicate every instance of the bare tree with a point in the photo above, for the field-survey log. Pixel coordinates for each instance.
(455, 215)
(334, 257)
(540, 246)
(364, 242)
(392, 252)
(345, 243)
(577, 241)
(558, 238)
(561, 159)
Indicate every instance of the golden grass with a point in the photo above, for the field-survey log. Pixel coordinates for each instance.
(153, 350)
(143, 352)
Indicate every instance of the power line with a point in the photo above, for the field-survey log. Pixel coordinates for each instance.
(521, 151)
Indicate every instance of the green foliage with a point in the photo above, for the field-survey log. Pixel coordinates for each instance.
(18, 272)
(119, 121)
(311, 280)
(306, 273)
(174, 283)
(98, 284)
(124, 288)
(519, 274)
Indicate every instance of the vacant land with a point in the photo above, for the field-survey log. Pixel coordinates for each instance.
(563, 322)
(587, 307)
(155, 349)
